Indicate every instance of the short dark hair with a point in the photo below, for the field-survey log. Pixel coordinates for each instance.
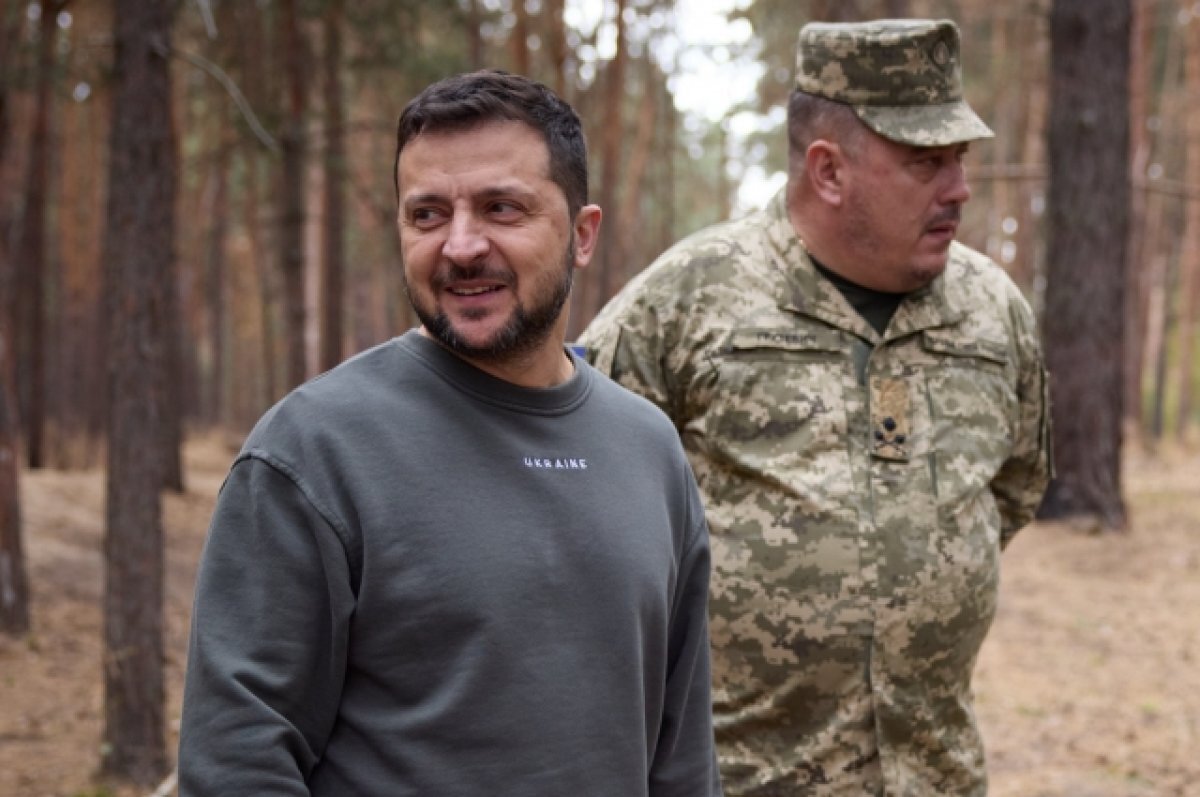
(464, 101)
(810, 117)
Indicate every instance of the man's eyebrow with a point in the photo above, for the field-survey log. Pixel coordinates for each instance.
(421, 199)
(498, 191)
(506, 190)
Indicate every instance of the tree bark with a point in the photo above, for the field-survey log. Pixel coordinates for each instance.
(518, 41)
(1088, 223)
(259, 76)
(333, 265)
(214, 403)
(14, 584)
(138, 254)
(1033, 74)
(292, 218)
(77, 428)
(475, 33)
(628, 218)
(1136, 273)
(1160, 240)
(557, 46)
(1189, 258)
(31, 256)
(605, 282)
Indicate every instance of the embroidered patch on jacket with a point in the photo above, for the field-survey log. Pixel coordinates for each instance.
(890, 419)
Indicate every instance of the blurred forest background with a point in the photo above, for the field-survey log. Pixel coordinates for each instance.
(197, 214)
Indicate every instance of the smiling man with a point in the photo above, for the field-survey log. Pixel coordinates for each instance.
(461, 563)
(863, 401)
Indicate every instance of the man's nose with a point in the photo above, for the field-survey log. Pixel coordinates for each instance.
(957, 191)
(465, 240)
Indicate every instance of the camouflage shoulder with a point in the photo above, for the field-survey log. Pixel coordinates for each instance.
(688, 274)
(708, 254)
(976, 277)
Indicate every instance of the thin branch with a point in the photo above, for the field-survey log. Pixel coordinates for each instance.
(1033, 171)
(206, 13)
(227, 82)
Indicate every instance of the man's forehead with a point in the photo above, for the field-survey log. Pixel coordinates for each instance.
(477, 146)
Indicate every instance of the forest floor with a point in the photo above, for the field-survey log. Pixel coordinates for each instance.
(1088, 686)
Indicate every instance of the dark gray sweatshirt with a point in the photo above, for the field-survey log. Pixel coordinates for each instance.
(421, 580)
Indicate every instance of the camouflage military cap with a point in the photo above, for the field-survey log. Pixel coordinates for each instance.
(903, 77)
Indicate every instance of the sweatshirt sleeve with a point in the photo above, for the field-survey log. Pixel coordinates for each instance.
(267, 654)
(685, 762)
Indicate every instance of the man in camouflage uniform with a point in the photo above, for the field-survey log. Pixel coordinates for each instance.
(863, 402)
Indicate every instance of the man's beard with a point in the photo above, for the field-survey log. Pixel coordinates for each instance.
(526, 329)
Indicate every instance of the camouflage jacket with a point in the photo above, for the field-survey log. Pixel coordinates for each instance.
(858, 489)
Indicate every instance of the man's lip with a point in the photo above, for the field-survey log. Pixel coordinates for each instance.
(468, 290)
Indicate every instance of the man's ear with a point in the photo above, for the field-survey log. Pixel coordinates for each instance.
(825, 169)
(587, 233)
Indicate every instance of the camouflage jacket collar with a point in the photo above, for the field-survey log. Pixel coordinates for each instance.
(810, 293)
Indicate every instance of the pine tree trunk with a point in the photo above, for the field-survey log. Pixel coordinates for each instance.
(14, 590)
(32, 252)
(518, 41)
(14, 585)
(1136, 271)
(333, 265)
(292, 218)
(79, 362)
(605, 282)
(214, 281)
(1160, 242)
(557, 46)
(1189, 258)
(629, 218)
(475, 34)
(1031, 268)
(138, 253)
(1088, 228)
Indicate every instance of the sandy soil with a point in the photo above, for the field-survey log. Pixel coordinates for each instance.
(1087, 687)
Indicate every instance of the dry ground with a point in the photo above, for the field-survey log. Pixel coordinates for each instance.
(1087, 687)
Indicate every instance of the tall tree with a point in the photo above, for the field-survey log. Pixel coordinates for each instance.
(556, 46)
(77, 370)
(255, 62)
(474, 24)
(214, 281)
(518, 40)
(1160, 245)
(14, 586)
(138, 253)
(31, 255)
(1189, 263)
(333, 264)
(293, 142)
(14, 591)
(1088, 229)
(626, 218)
(606, 281)
(1137, 272)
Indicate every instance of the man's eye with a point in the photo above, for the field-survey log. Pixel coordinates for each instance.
(424, 217)
(504, 209)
